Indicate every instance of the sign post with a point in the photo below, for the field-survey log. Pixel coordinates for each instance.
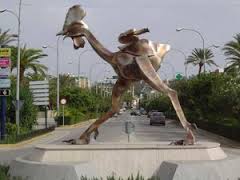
(3, 116)
(63, 102)
(5, 84)
(179, 76)
(5, 52)
(40, 91)
(129, 128)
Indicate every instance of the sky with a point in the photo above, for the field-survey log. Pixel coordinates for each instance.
(217, 20)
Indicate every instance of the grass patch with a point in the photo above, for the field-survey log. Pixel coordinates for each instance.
(4, 175)
(13, 139)
(138, 177)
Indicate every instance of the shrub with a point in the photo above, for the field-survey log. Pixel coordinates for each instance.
(28, 113)
(14, 138)
(161, 103)
(82, 104)
(209, 97)
(4, 175)
(11, 129)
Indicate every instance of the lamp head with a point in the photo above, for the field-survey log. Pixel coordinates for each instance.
(2, 11)
(14, 35)
(179, 29)
(216, 46)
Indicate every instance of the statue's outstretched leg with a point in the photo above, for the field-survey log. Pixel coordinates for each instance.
(152, 78)
(172, 94)
(118, 89)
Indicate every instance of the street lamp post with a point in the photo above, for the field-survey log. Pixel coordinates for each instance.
(58, 79)
(79, 63)
(102, 84)
(172, 68)
(79, 58)
(18, 61)
(214, 46)
(165, 75)
(185, 59)
(92, 67)
(203, 42)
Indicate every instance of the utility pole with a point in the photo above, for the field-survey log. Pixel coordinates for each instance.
(18, 68)
(3, 113)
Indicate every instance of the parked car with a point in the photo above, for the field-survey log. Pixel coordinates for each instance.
(120, 111)
(143, 111)
(157, 118)
(135, 113)
(150, 112)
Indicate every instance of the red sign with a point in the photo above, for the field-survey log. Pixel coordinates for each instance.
(5, 62)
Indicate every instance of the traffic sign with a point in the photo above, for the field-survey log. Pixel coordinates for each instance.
(41, 86)
(41, 99)
(63, 101)
(45, 103)
(37, 82)
(178, 76)
(5, 83)
(21, 102)
(41, 95)
(5, 62)
(5, 92)
(4, 72)
(40, 91)
(5, 52)
(34, 91)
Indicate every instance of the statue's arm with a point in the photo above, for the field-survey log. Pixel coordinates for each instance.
(131, 35)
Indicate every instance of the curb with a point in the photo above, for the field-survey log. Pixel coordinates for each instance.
(76, 125)
(26, 142)
(221, 139)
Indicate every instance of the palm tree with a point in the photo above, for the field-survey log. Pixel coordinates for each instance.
(232, 51)
(66, 80)
(6, 38)
(29, 61)
(197, 58)
(34, 77)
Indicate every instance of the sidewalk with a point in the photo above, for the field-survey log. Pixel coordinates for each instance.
(47, 138)
(42, 139)
(11, 152)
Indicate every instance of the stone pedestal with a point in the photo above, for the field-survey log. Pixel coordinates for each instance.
(105, 159)
(226, 169)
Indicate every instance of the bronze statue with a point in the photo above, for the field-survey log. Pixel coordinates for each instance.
(138, 59)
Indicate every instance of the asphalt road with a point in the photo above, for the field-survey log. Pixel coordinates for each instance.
(113, 131)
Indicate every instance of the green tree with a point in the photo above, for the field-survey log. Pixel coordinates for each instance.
(28, 112)
(34, 77)
(6, 38)
(29, 61)
(232, 51)
(197, 58)
(65, 81)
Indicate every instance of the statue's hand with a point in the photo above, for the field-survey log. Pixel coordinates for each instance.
(141, 31)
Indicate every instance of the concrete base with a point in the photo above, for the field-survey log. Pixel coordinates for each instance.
(103, 160)
(227, 169)
(51, 171)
